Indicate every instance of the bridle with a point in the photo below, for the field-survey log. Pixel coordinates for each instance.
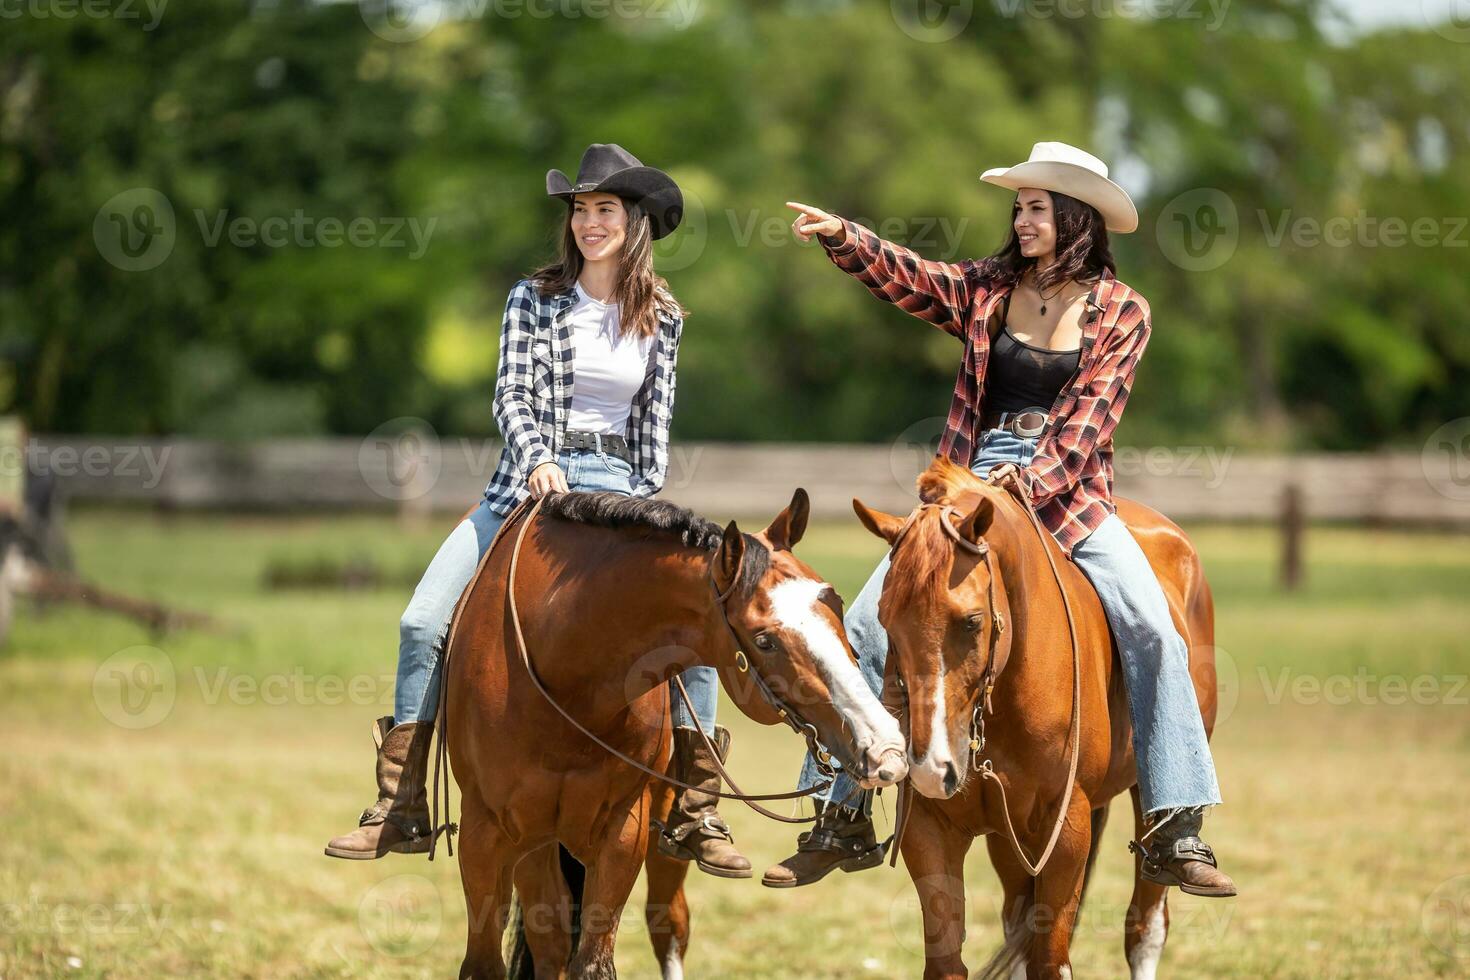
(995, 661)
(788, 714)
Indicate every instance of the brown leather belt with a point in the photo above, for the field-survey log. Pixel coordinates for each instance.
(599, 442)
(1027, 423)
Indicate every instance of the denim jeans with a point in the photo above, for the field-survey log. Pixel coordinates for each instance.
(1175, 768)
(424, 627)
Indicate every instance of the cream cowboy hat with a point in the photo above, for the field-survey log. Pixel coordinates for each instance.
(1076, 173)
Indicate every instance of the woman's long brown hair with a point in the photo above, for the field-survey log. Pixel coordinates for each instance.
(640, 292)
(1082, 248)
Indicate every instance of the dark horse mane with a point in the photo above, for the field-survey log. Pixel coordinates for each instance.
(619, 511)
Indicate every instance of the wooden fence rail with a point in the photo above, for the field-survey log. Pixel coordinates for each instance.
(418, 471)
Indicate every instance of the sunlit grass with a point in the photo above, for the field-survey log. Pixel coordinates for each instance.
(193, 846)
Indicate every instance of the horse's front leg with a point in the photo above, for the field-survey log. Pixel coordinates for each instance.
(1058, 896)
(612, 868)
(934, 852)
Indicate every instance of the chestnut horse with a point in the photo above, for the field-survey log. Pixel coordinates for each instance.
(992, 654)
(604, 597)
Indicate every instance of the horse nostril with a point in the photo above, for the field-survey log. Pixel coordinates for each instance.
(951, 779)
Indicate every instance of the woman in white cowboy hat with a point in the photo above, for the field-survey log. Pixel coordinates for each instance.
(583, 397)
(1052, 340)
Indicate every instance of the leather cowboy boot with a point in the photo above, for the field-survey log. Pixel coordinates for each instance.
(400, 820)
(842, 838)
(1174, 855)
(696, 831)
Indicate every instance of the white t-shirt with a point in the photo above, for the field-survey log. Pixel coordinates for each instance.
(607, 367)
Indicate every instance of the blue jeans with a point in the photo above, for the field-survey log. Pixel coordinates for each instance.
(1175, 768)
(424, 627)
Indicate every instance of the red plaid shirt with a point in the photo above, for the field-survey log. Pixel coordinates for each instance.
(1070, 479)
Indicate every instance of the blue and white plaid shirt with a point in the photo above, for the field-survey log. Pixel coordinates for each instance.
(533, 395)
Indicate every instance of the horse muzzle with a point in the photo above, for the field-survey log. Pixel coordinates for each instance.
(885, 765)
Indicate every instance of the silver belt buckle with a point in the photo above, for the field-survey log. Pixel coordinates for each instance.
(597, 441)
(1019, 426)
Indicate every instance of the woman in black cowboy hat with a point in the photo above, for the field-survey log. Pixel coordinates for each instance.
(599, 316)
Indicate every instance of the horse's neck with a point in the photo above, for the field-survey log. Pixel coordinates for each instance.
(1040, 641)
(631, 622)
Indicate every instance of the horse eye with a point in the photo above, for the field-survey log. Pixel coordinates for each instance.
(765, 641)
(974, 622)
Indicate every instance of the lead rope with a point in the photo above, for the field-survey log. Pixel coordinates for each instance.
(987, 771)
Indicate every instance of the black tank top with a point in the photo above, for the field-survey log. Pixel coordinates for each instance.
(1020, 376)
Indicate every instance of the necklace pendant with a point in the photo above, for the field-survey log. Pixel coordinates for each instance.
(1043, 309)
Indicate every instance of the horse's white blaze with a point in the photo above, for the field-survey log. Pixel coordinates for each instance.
(795, 605)
(1143, 958)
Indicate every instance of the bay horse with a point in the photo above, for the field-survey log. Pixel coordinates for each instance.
(978, 603)
(557, 712)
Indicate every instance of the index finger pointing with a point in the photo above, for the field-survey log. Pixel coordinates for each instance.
(806, 209)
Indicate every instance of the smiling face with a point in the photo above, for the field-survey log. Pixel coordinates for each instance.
(599, 225)
(1034, 219)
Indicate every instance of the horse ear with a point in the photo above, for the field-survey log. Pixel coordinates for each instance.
(978, 521)
(885, 526)
(790, 524)
(725, 564)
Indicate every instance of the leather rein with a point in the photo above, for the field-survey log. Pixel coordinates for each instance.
(983, 704)
(787, 713)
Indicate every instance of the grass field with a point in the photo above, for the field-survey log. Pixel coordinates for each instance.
(164, 809)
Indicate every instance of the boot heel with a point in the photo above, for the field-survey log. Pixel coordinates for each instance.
(868, 859)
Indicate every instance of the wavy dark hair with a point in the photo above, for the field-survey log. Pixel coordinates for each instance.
(640, 292)
(1082, 248)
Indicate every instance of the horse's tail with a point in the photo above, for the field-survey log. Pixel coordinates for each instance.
(519, 965)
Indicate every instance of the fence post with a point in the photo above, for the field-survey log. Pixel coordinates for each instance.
(1292, 529)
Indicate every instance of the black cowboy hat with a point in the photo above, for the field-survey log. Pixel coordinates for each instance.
(610, 169)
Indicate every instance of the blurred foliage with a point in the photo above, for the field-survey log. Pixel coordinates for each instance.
(309, 112)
